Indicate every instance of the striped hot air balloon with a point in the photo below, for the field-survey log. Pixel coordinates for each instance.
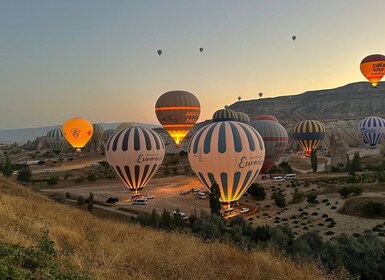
(274, 136)
(135, 154)
(309, 134)
(372, 129)
(56, 140)
(266, 118)
(228, 153)
(177, 111)
(224, 115)
(243, 117)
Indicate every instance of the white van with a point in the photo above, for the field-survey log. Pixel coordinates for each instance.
(278, 179)
(290, 176)
(201, 195)
(139, 201)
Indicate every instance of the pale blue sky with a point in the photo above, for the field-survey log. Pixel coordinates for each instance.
(97, 59)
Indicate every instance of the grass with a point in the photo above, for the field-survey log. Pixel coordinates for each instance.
(107, 249)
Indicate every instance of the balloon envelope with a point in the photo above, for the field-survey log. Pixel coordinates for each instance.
(201, 49)
(309, 134)
(260, 94)
(78, 132)
(228, 153)
(266, 118)
(373, 68)
(159, 52)
(372, 129)
(275, 138)
(56, 140)
(135, 154)
(242, 117)
(293, 37)
(177, 111)
(224, 115)
(124, 125)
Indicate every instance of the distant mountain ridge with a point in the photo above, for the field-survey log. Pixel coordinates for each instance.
(352, 101)
(22, 135)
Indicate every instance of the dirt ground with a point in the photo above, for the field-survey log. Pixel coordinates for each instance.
(323, 217)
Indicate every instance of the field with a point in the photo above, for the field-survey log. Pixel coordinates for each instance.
(106, 249)
(324, 216)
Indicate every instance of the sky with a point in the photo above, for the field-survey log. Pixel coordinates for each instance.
(98, 59)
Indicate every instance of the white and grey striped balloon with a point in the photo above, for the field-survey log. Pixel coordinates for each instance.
(135, 154)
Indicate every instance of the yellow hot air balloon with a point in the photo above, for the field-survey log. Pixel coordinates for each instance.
(78, 132)
(373, 68)
(177, 111)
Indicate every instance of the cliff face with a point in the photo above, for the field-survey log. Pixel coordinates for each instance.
(340, 109)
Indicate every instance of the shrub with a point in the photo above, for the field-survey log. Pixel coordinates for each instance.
(53, 180)
(373, 209)
(91, 177)
(80, 200)
(24, 175)
(279, 199)
(79, 180)
(311, 198)
(68, 195)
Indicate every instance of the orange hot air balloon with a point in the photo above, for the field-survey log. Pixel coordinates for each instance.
(373, 68)
(177, 111)
(78, 132)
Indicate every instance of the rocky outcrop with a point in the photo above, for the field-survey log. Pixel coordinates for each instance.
(338, 151)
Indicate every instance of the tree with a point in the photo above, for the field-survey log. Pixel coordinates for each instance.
(7, 169)
(314, 160)
(355, 165)
(25, 175)
(257, 191)
(165, 220)
(298, 196)
(215, 204)
(90, 202)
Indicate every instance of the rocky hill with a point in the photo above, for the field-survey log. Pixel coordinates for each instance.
(340, 109)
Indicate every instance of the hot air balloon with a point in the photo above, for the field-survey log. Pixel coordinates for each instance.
(124, 125)
(78, 132)
(260, 94)
(372, 130)
(309, 134)
(275, 138)
(293, 38)
(177, 111)
(135, 154)
(243, 117)
(224, 115)
(239, 98)
(373, 68)
(228, 153)
(56, 140)
(201, 49)
(266, 118)
(159, 52)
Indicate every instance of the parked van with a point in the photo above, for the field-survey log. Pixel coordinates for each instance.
(278, 179)
(201, 195)
(290, 176)
(139, 201)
